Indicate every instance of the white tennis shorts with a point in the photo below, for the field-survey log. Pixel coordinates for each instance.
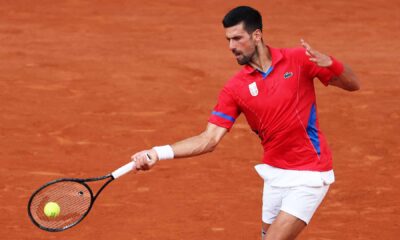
(299, 201)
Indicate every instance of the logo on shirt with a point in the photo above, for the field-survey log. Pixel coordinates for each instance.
(287, 75)
(253, 89)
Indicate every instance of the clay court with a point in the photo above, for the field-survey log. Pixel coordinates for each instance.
(85, 84)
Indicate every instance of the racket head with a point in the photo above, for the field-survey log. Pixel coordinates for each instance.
(74, 197)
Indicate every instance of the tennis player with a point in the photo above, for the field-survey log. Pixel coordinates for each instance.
(275, 91)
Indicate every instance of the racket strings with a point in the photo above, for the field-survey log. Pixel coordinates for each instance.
(73, 198)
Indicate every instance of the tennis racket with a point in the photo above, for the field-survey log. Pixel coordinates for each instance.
(74, 197)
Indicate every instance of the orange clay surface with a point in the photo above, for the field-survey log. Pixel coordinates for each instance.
(84, 84)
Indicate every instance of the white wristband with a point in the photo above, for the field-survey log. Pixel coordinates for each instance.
(164, 152)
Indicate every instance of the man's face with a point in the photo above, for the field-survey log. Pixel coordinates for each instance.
(241, 43)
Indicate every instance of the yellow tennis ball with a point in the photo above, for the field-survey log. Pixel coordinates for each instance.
(52, 209)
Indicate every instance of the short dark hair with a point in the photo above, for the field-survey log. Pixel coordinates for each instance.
(250, 17)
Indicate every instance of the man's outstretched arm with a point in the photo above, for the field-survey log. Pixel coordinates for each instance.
(205, 142)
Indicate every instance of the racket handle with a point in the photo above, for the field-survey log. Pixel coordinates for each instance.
(126, 168)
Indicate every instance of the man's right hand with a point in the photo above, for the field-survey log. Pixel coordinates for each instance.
(145, 160)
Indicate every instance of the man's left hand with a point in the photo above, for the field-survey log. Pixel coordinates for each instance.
(320, 59)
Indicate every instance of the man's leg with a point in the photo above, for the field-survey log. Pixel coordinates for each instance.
(298, 207)
(285, 227)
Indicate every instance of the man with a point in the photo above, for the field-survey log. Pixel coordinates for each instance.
(275, 91)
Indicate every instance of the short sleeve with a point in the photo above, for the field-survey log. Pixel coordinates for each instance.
(225, 111)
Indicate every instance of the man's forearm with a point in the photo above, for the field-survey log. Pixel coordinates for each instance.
(347, 80)
(202, 143)
(193, 146)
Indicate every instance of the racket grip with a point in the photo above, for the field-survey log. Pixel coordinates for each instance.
(126, 168)
(123, 170)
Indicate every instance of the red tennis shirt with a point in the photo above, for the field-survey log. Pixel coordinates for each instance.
(280, 107)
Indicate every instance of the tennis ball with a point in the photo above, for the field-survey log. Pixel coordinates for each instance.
(52, 209)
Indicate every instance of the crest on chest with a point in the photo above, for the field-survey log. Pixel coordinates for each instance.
(253, 89)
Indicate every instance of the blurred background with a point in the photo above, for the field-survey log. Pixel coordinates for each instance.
(86, 83)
